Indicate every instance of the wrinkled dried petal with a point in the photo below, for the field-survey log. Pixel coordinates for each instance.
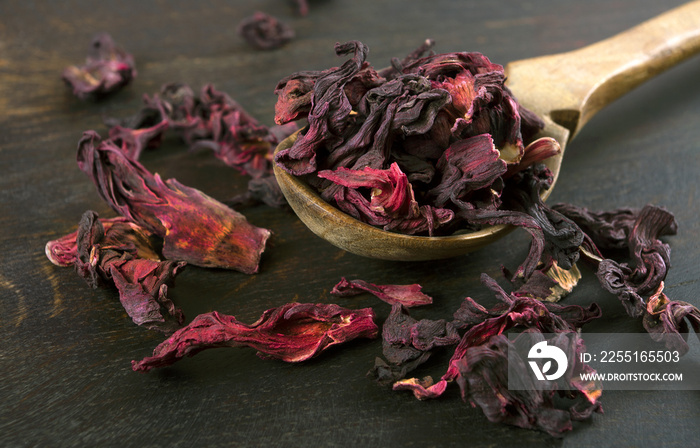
(407, 343)
(410, 114)
(669, 320)
(467, 166)
(134, 141)
(391, 202)
(293, 332)
(406, 295)
(480, 363)
(638, 231)
(519, 311)
(64, 250)
(112, 256)
(327, 116)
(107, 69)
(265, 32)
(195, 227)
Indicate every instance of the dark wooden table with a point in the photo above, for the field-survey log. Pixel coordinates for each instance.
(66, 349)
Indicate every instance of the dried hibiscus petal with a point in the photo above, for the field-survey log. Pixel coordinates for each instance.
(122, 255)
(407, 343)
(406, 295)
(63, 251)
(265, 32)
(195, 227)
(447, 121)
(293, 332)
(668, 320)
(211, 120)
(638, 231)
(479, 363)
(391, 200)
(108, 68)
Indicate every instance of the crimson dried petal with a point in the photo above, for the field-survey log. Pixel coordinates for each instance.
(406, 295)
(63, 251)
(293, 332)
(264, 31)
(410, 114)
(116, 256)
(107, 69)
(537, 151)
(391, 199)
(479, 364)
(195, 227)
(483, 380)
(211, 120)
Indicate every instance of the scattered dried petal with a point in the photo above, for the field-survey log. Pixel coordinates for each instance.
(195, 227)
(406, 295)
(293, 332)
(123, 256)
(108, 68)
(265, 32)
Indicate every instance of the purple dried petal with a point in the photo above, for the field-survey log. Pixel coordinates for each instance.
(536, 152)
(407, 343)
(264, 32)
(108, 68)
(668, 320)
(330, 109)
(112, 256)
(391, 200)
(293, 332)
(134, 141)
(639, 232)
(467, 166)
(195, 227)
(480, 364)
(406, 295)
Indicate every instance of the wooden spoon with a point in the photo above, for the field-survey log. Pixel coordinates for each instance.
(565, 89)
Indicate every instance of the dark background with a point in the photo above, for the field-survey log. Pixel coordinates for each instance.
(66, 349)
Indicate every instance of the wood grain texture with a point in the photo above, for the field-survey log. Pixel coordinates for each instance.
(66, 351)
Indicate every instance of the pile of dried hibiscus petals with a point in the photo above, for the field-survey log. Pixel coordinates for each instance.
(446, 121)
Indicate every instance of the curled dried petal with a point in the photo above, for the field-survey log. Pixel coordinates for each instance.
(293, 332)
(195, 227)
(107, 69)
(406, 295)
(265, 32)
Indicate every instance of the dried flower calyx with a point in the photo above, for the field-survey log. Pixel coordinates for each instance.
(293, 332)
(210, 120)
(265, 32)
(118, 253)
(108, 68)
(195, 228)
(406, 295)
(481, 359)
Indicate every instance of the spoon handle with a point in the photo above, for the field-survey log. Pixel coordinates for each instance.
(571, 87)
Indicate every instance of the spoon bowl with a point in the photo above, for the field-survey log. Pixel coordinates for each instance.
(565, 90)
